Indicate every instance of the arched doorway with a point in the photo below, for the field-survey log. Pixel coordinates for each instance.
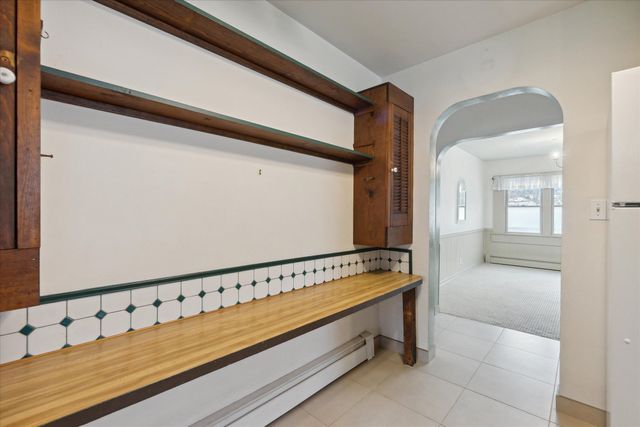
(493, 115)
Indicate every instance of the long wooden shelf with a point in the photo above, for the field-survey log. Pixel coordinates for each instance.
(71, 88)
(82, 383)
(183, 20)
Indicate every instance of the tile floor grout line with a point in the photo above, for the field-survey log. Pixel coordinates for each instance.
(309, 413)
(516, 372)
(555, 387)
(496, 342)
(452, 406)
(506, 404)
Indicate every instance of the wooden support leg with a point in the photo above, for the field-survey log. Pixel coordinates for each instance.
(409, 318)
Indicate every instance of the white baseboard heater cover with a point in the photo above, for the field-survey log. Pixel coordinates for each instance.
(275, 399)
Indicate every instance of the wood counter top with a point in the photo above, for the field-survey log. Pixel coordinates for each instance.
(84, 382)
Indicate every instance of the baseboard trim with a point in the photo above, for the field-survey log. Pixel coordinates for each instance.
(424, 356)
(581, 411)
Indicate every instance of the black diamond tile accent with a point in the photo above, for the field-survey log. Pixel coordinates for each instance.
(304, 273)
(238, 286)
(202, 294)
(100, 337)
(314, 270)
(157, 303)
(66, 321)
(27, 329)
(324, 268)
(100, 314)
(180, 298)
(253, 283)
(281, 277)
(221, 289)
(131, 308)
(293, 274)
(66, 345)
(268, 279)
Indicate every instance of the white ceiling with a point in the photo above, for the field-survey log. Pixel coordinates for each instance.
(524, 143)
(390, 35)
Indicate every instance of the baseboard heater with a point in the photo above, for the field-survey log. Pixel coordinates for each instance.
(273, 400)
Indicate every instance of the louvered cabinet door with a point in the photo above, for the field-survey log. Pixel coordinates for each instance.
(383, 187)
(401, 173)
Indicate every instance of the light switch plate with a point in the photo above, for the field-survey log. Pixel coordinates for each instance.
(598, 210)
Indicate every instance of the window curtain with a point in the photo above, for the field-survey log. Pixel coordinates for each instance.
(527, 182)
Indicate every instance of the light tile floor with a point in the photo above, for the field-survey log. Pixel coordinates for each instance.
(482, 376)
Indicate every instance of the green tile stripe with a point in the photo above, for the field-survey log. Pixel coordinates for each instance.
(45, 299)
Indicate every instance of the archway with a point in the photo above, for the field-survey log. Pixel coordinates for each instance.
(492, 115)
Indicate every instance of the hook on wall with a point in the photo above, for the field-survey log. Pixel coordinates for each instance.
(43, 33)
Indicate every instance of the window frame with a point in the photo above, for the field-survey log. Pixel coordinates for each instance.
(553, 207)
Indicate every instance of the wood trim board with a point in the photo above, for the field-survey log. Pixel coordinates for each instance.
(185, 21)
(82, 383)
(62, 86)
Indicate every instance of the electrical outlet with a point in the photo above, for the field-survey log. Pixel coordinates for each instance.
(598, 211)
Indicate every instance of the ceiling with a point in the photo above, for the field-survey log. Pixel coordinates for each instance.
(390, 35)
(525, 143)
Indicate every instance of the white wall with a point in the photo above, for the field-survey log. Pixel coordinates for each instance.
(570, 54)
(521, 165)
(127, 200)
(457, 165)
(461, 244)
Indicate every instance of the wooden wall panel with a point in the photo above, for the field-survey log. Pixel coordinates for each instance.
(28, 123)
(20, 155)
(7, 128)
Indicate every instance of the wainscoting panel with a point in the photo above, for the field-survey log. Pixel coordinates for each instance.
(525, 251)
(459, 252)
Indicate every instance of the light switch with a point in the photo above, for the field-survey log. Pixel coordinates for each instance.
(598, 209)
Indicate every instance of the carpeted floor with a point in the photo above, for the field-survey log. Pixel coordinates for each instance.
(524, 299)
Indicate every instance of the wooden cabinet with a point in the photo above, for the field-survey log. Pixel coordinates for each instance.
(20, 154)
(383, 187)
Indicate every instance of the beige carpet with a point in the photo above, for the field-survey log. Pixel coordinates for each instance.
(524, 299)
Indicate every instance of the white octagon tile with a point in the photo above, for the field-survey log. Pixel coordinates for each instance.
(168, 292)
(116, 301)
(211, 283)
(83, 307)
(144, 296)
(12, 321)
(47, 314)
(12, 347)
(115, 323)
(169, 310)
(211, 301)
(191, 287)
(48, 338)
(83, 330)
(144, 316)
(191, 306)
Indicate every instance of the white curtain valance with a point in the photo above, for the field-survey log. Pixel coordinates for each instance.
(527, 182)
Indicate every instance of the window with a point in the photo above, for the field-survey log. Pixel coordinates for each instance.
(462, 202)
(557, 210)
(524, 211)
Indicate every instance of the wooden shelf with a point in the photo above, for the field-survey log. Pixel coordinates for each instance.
(70, 88)
(78, 384)
(183, 20)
